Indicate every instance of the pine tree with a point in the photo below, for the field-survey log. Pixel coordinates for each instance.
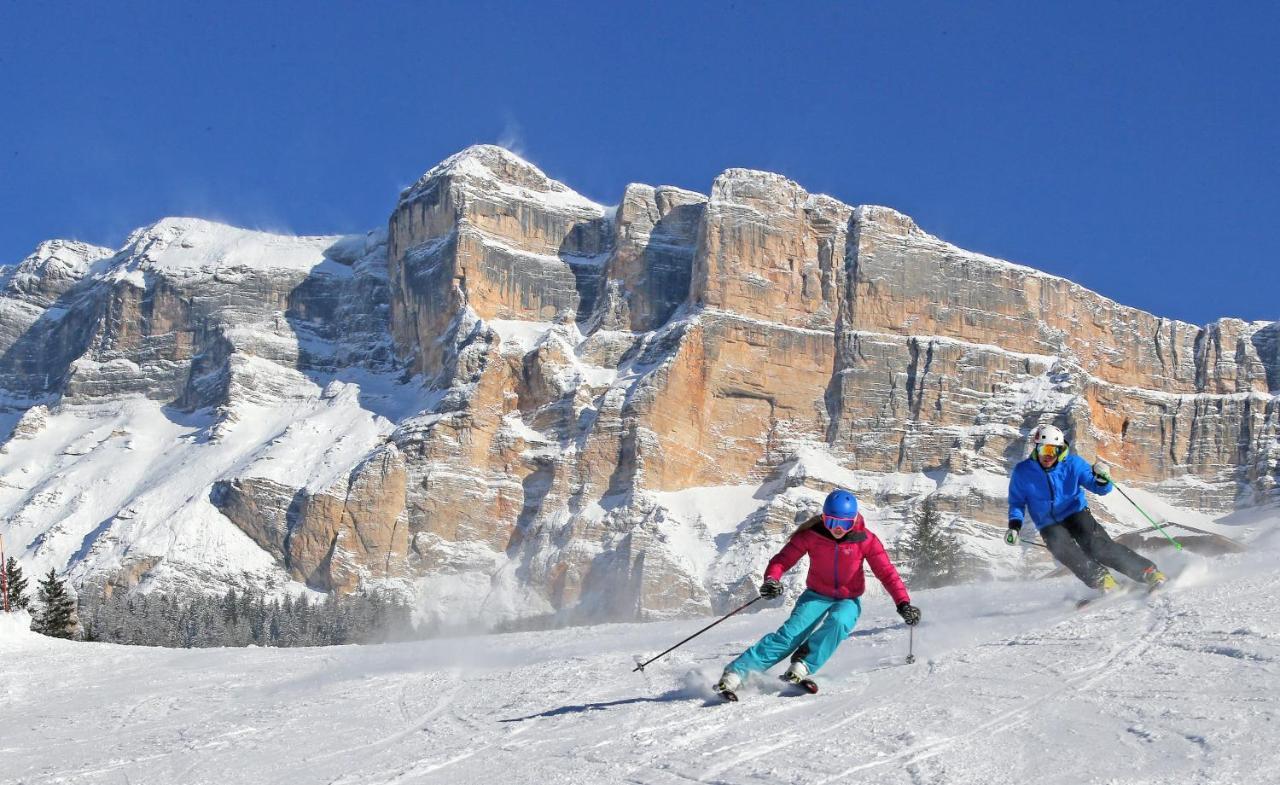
(932, 555)
(18, 599)
(230, 610)
(56, 616)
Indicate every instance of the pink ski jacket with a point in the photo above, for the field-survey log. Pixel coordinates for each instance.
(835, 567)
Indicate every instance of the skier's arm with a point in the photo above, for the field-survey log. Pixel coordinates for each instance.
(1017, 501)
(785, 559)
(885, 571)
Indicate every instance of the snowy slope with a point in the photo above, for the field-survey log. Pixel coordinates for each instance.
(1012, 686)
(194, 247)
(100, 486)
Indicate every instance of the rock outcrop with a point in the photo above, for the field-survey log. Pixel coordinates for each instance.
(36, 342)
(526, 408)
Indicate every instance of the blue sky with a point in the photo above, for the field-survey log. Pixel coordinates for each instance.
(1132, 147)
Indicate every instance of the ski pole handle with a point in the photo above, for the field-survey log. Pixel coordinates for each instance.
(642, 665)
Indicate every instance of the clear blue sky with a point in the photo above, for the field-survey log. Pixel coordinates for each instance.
(1134, 147)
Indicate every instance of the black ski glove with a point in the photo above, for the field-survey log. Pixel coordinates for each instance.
(770, 589)
(909, 613)
(1011, 536)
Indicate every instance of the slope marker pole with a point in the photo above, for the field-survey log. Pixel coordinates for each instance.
(4, 576)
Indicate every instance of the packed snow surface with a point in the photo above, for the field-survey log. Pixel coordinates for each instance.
(1012, 685)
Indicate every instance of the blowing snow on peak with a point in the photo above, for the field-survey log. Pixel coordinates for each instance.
(499, 169)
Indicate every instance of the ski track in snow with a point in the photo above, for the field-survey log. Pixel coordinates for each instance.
(1012, 684)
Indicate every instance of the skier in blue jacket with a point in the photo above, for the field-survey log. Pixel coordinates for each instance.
(1051, 485)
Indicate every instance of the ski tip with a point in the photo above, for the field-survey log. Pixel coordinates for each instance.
(1088, 601)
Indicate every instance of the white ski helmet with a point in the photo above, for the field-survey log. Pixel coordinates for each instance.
(1048, 434)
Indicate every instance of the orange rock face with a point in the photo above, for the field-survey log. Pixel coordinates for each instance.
(805, 322)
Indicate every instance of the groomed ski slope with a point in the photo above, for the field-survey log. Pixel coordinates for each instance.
(1012, 685)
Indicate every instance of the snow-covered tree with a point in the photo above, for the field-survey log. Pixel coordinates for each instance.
(17, 586)
(242, 618)
(931, 555)
(56, 614)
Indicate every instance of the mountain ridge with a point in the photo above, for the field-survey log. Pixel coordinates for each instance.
(489, 404)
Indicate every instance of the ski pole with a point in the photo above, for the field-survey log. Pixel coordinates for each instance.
(1033, 542)
(1154, 525)
(911, 644)
(641, 666)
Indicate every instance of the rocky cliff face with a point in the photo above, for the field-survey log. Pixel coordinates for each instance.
(524, 407)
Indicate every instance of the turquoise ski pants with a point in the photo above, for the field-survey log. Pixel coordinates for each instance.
(822, 621)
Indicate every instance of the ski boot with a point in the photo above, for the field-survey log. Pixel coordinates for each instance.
(728, 685)
(798, 674)
(1153, 578)
(800, 653)
(1105, 585)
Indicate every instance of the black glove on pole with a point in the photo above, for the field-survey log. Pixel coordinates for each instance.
(909, 613)
(1011, 536)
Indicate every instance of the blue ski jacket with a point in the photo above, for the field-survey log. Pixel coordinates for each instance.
(1055, 494)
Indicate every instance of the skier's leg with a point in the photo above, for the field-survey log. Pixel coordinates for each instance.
(840, 621)
(1097, 543)
(1060, 542)
(770, 649)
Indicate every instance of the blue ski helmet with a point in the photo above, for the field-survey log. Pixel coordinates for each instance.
(840, 504)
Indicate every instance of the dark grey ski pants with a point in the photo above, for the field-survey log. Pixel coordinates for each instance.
(1083, 547)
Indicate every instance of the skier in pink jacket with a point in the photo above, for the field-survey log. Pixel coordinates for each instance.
(837, 543)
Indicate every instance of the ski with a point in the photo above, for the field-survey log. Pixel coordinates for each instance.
(1120, 592)
(728, 695)
(1111, 595)
(1081, 604)
(808, 685)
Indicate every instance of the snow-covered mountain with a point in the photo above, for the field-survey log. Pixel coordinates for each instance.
(1012, 685)
(523, 407)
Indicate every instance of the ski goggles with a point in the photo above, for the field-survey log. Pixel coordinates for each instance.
(1050, 450)
(837, 525)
